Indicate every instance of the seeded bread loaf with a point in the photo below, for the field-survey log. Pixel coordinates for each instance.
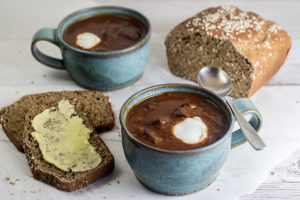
(250, 49)
(95, 105)
(48, 173)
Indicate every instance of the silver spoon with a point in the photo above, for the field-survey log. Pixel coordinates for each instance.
(218, 81)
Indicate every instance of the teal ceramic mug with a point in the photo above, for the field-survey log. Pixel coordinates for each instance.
(96, 70)
(181, 172)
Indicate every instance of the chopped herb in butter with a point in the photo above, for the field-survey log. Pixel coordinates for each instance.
(64, 140)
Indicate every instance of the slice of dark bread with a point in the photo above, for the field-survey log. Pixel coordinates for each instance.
(48, 173)
(96, 106)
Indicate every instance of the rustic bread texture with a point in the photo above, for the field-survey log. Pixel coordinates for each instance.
(95, 105)
(48, 173)
(250, 49)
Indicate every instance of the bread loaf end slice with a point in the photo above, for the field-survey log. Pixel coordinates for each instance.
(247, 47)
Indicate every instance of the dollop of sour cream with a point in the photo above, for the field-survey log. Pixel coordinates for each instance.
(190, 130)
(87, 40)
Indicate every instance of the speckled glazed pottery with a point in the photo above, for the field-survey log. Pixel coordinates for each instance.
(182, 172)
(96, 70)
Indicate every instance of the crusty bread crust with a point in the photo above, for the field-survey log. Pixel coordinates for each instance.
(47, 173)
(19, 108)
(261, 42)
(11, 136)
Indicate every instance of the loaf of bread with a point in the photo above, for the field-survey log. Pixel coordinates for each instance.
(96, 106)
(250, 49)
(48, 173)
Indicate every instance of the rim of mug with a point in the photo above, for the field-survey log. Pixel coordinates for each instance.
(174, 85)
(127, 50)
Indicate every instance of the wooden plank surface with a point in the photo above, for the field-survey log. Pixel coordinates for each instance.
(283, 181)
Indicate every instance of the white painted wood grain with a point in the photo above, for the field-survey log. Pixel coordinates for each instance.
(275, 191)
(283, 181)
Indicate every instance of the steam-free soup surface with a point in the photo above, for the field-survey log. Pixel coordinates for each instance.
(151, 121)
(116, 31)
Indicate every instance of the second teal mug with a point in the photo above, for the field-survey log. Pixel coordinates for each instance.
(181, 172)
(96, 70)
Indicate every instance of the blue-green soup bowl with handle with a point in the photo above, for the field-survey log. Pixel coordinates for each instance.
(96, 70)
(182, 172)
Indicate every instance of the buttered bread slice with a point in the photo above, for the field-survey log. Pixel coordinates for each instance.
(96, 106)
(62, 147)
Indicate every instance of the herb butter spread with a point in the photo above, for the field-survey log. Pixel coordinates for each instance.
(64, 140)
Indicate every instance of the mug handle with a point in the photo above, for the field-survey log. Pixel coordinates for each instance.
(245, 106)
(46, 34)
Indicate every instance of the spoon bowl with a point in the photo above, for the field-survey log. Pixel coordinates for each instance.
(215, 80)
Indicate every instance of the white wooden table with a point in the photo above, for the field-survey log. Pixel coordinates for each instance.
(245, 169)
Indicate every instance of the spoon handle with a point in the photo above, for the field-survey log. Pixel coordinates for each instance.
(250, 134)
